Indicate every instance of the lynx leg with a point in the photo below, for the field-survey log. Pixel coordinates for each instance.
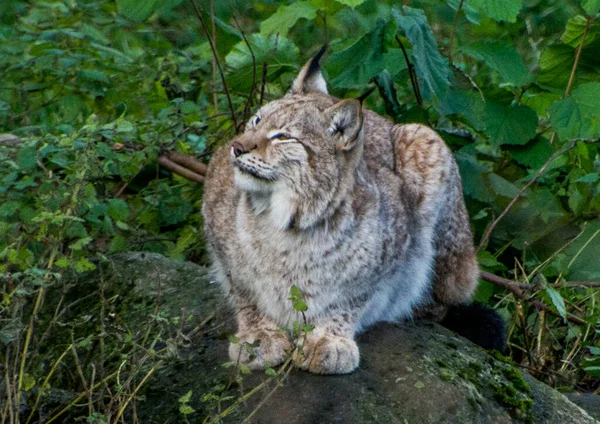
(261, 343)
(330, 347)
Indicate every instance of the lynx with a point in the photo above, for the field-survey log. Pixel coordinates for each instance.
(364, 216)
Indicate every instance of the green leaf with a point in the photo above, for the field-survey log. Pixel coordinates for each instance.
(534, 154)
(349, 72)
(558, 302)
(28, 382)
(8, 209)
(79, 244)
(84, 265)
(498, 10)
(555, 65)
(278, 52)
(473, 15)
(473, 178)
(593, 371)
(431, 67)
(26, 158)
(138, 10)
(185, 398)
(575, 29)
(591, 7)
(387, 91)
(589, 178)
(93, 75)
(118, 210)
(577, 116)
(510, 124)
(286, 17)
(501, 57)
(351, 3)
(271, 372)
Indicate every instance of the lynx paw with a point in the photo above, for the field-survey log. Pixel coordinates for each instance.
(272, 347)
(327, 355)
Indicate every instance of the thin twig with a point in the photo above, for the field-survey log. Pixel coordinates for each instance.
(454, 26)
(411, 72)
(575, 63)
(216, 58)
(578, 54)
(253, 86)
(214, 61)
(525, 187)
(514, 289)
(263, 83)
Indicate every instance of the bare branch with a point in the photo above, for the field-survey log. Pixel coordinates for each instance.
(180, 170)
(514, 288)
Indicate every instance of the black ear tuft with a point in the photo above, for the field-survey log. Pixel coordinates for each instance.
(478, 323)
(310, 79)
(313, 64)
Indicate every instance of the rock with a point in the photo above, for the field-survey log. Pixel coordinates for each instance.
(410, 373)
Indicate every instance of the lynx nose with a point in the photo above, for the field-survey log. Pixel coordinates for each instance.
(238, 149)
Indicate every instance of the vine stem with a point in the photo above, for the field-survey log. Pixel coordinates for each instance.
(216, 58)
(578, 54)
(411, 72)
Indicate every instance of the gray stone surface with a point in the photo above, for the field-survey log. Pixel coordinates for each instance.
(409, 373)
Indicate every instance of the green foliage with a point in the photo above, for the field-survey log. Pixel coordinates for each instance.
(96, 91)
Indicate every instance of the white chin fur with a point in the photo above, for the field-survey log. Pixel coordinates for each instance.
(247, 182)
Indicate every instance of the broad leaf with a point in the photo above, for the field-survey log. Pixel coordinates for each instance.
(558, 302)
(278, 52)
(575, 30)
(286, 17)
(501, 57)
(510, 124)
(360, 62)
(138, 10)
(351, 3)
(591, 7)
(578, 116)
(472, 15)
(499, 10)
(555, 65)
(432, 68)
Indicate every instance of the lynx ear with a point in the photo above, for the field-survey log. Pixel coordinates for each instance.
(310, 79)
(346, 121)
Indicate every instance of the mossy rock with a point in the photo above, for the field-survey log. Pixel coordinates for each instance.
(409, 373)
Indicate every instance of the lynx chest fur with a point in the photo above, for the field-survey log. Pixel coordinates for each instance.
(364, 216)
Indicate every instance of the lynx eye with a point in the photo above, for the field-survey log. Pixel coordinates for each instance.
(278, 137)
(254, 121)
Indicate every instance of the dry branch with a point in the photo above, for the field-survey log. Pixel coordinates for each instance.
(514, 288)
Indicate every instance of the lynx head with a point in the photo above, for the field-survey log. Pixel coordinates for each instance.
(298, 155)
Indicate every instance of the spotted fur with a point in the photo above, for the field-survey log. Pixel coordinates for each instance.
(365, 217)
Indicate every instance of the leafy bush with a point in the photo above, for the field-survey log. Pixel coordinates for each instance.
(97, 90)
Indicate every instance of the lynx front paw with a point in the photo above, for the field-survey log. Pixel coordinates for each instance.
(272, 347)
(327, 354)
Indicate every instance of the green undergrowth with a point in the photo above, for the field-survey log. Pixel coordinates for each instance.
(95, 92)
